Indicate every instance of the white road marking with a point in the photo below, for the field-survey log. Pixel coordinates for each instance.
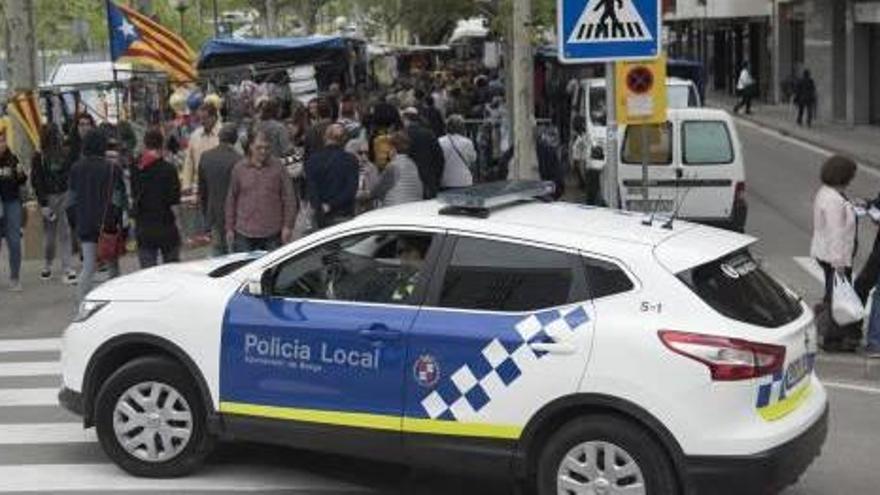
(92, 478)
(810, 266)
(35, 433)
(852, 387)
(37, 368)
(28, 397)
(30, 345)
(803, 144)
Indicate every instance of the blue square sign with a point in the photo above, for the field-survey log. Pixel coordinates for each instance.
(608, 30)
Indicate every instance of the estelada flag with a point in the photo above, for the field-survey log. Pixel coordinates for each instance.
(137, 38)
(24, 108)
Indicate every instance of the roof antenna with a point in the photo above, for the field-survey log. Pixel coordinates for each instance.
(648, 222)
(678, 175)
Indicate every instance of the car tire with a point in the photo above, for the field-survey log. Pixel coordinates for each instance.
(130, 391)
(604, 435)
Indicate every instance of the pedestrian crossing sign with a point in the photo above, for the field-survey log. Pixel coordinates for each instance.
(608, 30)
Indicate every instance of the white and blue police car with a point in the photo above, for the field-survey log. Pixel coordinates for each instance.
(582, 350)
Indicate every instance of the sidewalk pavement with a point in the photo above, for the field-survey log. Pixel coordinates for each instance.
(860, 142)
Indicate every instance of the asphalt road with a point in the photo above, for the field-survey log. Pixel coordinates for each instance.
(42, 450)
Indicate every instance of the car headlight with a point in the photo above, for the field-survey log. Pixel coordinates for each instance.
(87, 309)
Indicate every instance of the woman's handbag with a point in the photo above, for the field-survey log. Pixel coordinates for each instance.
(111, 243)
(846, 307)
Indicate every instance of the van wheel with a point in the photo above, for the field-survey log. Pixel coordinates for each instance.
(604, 455)
(151, 420)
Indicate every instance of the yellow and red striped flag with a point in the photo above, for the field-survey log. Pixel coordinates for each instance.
(24, 108)
(137, 38)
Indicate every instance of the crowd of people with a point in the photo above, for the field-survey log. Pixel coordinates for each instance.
(251, 184)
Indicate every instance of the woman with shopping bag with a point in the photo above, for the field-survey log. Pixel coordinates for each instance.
(834, 246)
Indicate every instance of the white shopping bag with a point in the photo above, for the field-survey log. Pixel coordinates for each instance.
(846, 307)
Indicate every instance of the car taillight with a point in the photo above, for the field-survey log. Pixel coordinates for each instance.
(739, 193)
(727, 359)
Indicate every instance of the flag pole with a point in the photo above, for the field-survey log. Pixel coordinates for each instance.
(112, 62)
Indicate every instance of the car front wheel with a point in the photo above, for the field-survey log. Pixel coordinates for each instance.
(604, 455)
(151, 420)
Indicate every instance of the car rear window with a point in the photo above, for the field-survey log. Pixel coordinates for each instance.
(738, 288)
(659, 144)
(706, 143)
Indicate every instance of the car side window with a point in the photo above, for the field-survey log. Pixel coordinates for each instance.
(605, 278)
(500, 276)
(385, 267)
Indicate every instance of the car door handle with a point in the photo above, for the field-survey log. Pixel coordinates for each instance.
(553, 347)
(379, 332)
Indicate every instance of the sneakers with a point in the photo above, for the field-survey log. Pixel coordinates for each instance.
(15, 286)
(70, 278)
(872, 353)
(46, 274)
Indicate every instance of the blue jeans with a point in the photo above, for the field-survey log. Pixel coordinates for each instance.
(89, 267)
(874, 321)
(10, 229)
(243, 244)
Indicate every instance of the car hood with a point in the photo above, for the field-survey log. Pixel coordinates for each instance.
(161, 282)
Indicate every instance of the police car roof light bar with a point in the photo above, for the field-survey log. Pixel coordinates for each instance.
(478, 200)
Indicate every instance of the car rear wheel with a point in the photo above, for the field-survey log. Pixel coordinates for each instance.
(151, 420)
(604, 455)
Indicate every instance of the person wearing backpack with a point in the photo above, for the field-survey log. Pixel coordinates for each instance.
(834, 244)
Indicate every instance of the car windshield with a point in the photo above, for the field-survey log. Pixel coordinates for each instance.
(597, 106)
(737, 287)
(680, 96)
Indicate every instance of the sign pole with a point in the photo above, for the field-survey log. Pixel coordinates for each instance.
(612, 188)
(645, 163)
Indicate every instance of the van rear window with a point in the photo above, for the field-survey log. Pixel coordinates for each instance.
(738, 288)
(659, 141)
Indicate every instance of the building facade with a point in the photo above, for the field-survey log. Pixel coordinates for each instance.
(723, 35)
(837, 40)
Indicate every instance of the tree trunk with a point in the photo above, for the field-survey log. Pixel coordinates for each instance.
(271, 21)
(311, 17)
(21, 58)
(525, 162)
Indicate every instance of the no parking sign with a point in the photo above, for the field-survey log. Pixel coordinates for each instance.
(641, 91)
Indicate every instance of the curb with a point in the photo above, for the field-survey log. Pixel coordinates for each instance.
(871, 162)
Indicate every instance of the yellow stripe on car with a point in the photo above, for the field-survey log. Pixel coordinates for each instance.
(786, 406)
(374, 421)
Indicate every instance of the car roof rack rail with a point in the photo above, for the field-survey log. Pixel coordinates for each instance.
(478, 201)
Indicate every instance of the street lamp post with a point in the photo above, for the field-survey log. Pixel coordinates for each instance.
(180, 6)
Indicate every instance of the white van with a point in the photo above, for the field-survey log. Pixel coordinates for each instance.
(589, 101)
(695, 168)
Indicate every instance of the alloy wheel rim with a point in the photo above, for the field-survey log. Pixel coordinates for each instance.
(599, 468)
(152, 422)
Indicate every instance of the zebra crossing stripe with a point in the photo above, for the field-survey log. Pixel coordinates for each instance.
(37, 368)
(45, 433)
(29, 345)
(28, 397)
(97, 478)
